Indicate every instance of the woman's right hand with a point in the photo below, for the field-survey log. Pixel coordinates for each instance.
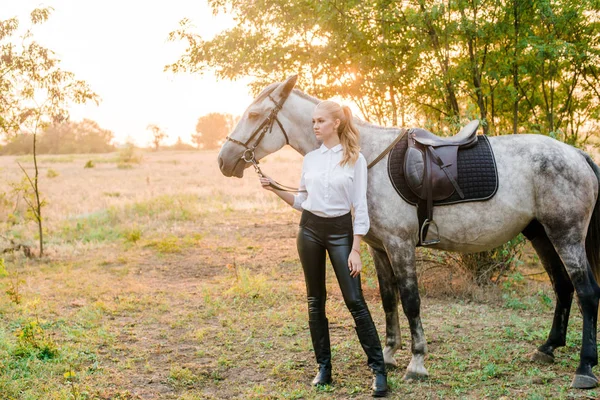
(265, 181)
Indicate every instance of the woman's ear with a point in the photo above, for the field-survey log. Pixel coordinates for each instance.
(337, 123)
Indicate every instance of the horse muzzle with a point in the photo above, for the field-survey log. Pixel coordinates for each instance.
(231, 164)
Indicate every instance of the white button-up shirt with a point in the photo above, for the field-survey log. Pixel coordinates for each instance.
(332, 190)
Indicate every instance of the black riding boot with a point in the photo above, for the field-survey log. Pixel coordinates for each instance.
(319, 332)
(369, 340)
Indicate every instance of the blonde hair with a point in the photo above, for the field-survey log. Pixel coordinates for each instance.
(347, 132)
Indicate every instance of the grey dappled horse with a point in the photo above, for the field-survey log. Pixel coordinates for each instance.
(548, 190)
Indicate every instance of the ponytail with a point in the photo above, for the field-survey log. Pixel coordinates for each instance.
(349, 138)
(347, 132)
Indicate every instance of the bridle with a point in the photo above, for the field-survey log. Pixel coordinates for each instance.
(266, 126)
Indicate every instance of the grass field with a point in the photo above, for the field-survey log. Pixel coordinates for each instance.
(166, 280)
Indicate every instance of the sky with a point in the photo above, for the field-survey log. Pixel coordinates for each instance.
(120, 48)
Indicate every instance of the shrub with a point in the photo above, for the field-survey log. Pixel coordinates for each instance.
(33, 342)
(129, 155)
(89, 164)
(489, 266)
(51, 173)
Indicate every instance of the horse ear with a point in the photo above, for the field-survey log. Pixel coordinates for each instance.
(288, 85)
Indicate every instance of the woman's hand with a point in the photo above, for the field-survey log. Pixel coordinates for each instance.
(265, 181)
(354, 263)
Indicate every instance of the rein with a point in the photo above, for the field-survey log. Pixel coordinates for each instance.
(387, 149)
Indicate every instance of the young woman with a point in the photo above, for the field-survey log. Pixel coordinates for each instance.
(335, 179)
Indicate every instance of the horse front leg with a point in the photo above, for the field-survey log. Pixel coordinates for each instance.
(402, 257)
(389, 298)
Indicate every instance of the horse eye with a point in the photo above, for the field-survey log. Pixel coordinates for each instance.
(252, 115)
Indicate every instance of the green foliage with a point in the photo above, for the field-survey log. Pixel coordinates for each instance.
(516, 65)
(32, 341)
(96, 227)
(89, 164)
(182, 377)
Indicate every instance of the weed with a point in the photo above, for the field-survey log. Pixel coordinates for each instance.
(168, 245)
(181, 377)
(513, 302)
(51, 173)
(13, 285)
(133, 235)
(89, 164)
(128, 155)
(489, 371)
(94, 227)
(32, 341)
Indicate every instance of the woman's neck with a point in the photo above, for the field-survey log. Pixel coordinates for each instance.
(332, 142)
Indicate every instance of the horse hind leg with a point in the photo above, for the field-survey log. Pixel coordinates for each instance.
(563, 290)
(571, 249)
(389, 298)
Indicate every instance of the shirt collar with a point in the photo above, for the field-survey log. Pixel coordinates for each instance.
(335, 148)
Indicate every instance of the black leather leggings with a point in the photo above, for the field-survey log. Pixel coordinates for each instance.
(316, 236)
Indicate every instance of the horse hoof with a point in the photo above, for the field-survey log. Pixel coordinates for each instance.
(584, 382)
(541, 357)
(413, 376)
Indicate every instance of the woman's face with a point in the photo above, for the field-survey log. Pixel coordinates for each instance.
(324, 125)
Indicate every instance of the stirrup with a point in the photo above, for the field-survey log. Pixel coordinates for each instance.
(433, 241)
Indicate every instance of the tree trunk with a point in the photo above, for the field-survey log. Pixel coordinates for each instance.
(38, 203)
(515, 67)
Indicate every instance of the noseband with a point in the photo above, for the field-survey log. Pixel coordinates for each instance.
(266, 126)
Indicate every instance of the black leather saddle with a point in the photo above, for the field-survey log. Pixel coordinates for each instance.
(430, 171)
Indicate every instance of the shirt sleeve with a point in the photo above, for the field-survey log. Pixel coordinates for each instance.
(300, 197)
(359, 197)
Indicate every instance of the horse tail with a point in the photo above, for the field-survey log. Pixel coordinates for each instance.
(592, 240)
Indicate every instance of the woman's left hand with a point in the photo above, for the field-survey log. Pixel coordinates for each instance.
(354, 263)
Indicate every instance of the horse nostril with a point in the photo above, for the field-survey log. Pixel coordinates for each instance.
(220, 163)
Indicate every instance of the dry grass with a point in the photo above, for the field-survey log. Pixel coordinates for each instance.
(167, 280)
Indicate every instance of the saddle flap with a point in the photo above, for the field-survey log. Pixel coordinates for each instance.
(414, 170)
(442, 186)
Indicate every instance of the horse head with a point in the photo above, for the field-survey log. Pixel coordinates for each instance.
(273, 120)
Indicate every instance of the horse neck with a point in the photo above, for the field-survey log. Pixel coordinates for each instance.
(373, 138)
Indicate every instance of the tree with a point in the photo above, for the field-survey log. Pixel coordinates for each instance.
(433, 63)
(212, 129)
(35, 93)
(157, 135)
